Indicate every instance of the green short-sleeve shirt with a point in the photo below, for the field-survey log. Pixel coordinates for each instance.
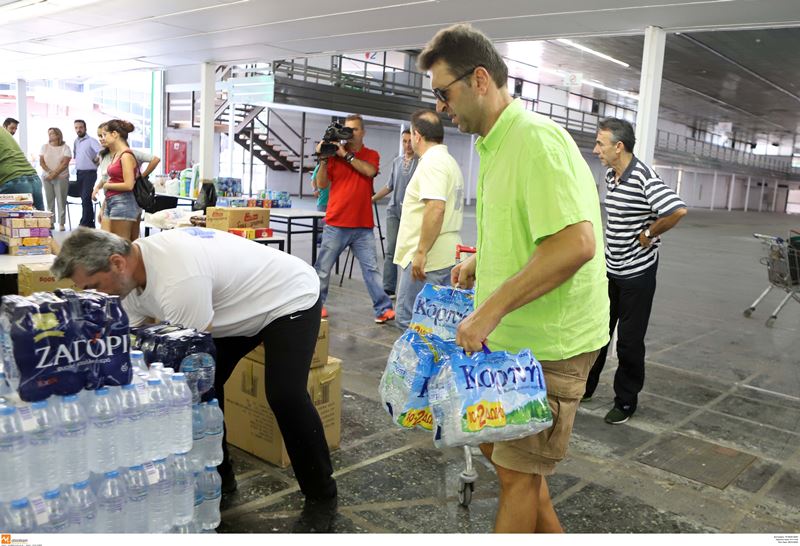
(13, 163)
(534, 182)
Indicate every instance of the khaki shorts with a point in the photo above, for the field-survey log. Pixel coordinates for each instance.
(538, 454)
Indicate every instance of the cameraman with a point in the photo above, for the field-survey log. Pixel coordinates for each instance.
(348, 220)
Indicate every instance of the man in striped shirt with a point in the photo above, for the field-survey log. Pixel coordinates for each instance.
(640, 208)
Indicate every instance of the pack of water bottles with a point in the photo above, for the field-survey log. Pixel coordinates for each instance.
(140, 458)
(181, 349)
(431, 383)
(63, 342)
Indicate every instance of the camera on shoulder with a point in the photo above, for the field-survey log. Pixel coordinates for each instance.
(334, 134)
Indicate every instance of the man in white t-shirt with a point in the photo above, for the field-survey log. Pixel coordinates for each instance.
(245, 294)
(432, 215)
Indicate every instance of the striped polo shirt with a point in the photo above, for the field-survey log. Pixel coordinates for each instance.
(633, 203)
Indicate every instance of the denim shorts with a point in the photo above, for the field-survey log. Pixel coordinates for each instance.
(122, 206)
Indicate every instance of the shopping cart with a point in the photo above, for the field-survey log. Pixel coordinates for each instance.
(782, 258)
(467, 478)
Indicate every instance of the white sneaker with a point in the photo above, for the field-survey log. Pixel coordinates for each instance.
(61, 227)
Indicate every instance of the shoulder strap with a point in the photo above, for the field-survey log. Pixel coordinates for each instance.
(135, 161)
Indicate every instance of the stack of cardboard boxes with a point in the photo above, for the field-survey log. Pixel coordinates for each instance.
(24, 230)
(250, 423)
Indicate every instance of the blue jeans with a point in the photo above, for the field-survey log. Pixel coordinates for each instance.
(408, 288)
(362, 242)
(30, 183)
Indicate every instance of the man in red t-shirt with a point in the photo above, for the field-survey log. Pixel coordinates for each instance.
(348, 221)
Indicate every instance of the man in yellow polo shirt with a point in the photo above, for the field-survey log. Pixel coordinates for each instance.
(432, 215)
(539, 272)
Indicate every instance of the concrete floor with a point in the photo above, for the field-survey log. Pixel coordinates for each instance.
(714, 447)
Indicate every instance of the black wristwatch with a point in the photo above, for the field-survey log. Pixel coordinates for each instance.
(349, 157)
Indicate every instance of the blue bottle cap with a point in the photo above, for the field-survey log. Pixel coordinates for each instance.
(52, 494)
(39, 405)
(111, 474)
(102, 391)
(179, 376)
(136, 467)
(7, 410)
(19, 503)
(71, 398)
(153, 381)
(128, 387)
(81, 485)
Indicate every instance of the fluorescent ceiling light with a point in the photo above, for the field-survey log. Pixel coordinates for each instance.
(591, 51)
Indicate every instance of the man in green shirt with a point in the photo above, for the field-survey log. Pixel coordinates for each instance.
(539, 272)
(16, 174)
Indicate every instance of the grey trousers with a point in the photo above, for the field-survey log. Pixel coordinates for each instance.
(389, 267)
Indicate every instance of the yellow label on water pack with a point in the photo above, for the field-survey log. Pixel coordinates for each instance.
(485, 414)
(421, 417)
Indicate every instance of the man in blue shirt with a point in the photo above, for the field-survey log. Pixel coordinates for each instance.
(85, 152)
(403, 167)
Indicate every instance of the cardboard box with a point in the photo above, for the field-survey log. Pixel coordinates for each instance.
(262, 233)
(247, 233)
(29, 250)
(250, 423)
(320, 357)
(225, 218)
(37, 278)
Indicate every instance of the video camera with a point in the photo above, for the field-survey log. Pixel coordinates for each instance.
(334, 134)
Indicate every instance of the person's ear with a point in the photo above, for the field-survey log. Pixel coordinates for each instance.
(481, 80)
(118, 262)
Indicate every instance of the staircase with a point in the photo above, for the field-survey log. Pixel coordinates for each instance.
(268, 137)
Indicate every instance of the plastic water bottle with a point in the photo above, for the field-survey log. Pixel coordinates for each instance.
(212, 449)
(103, 437)
(131, 427)
(137, 361)
(5, 386)
(43, 445)
(183, 489)
(207, 370)
(185, 529)
(189, 368)
(158, 409)
(155, 370)
(211, 486)
(161, 483)
(181, 414)
(82, 505)
(137, 513)
(112, 498)
(21, 518)
(14, 479)
(198, 497)
(74, 450)
(57, 512)
(197, 454)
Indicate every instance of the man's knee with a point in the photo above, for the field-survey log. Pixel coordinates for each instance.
(513, 482)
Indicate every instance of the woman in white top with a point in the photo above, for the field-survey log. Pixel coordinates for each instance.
(54, 159)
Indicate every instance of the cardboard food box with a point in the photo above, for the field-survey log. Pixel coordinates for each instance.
(225, 218)
(37, 278)
(250, 423)
(320, 357)
(247, 233)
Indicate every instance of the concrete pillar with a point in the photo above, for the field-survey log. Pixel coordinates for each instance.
(761, 198)
(22, 115)
(157, 115)
(208, 93)
(775, 196)
(649, 93)
(231, 134)
(730, 191)
(713, 190)
(747, 194)
(470, 170)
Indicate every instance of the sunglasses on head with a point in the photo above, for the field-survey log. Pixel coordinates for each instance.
(441, 92)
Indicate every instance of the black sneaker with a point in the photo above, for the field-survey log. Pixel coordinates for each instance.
(586, 398)
(616, 416)
(317, 516)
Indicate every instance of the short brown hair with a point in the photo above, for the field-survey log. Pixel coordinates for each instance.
(428, 124)
(463, 48)
(354, 117)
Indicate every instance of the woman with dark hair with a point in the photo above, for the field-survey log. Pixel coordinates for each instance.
(141, 156)
(54, 159)
(120, 206)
